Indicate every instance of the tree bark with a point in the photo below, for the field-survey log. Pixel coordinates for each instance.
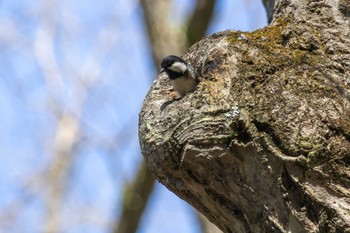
(263, 144)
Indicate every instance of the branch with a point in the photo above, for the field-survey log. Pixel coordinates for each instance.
(66, 138)
(135, 200)
(263, 144)
(164, 37)
(206, 225)
(68, 130)
(199, 21)
(66, 135)
(163, 41)
(269, 4)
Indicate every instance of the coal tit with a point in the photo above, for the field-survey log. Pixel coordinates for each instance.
(182, 75)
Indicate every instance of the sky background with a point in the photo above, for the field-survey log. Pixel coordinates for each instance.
(102, 44)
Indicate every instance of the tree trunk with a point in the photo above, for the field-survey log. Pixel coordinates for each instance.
(263, 144)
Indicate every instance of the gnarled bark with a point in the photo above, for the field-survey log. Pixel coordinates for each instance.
(263, 144)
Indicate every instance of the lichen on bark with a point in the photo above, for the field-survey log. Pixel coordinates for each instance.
(263, 144)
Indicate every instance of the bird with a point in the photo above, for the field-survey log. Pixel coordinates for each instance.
(183, 76)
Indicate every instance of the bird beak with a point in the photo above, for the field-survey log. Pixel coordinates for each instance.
(162, 71)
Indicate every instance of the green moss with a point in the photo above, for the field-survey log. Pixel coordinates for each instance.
(268, 51)
(306, 145)
(268, 36)
(315, 158)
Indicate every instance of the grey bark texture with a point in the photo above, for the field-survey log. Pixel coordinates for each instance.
(263, 144)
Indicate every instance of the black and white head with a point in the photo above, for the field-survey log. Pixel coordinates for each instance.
(182, 75)
(174, 66)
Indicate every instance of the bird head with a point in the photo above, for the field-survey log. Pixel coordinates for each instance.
(174, 66)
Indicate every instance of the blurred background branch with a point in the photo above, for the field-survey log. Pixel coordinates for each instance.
(135, 199)
(164, 36)
(199, 20)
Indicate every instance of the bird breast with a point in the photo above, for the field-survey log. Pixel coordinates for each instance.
(184, 85)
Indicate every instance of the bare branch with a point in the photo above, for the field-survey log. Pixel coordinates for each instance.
(164, 40)
(68, 127)
(164, 37)
(135, 198)
(200, 20)
(206, 225)
(67, 135)
(269, 4)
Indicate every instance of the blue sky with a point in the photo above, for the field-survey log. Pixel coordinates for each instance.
(112, 35)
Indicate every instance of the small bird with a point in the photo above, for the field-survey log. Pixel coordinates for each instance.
(182, 75)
